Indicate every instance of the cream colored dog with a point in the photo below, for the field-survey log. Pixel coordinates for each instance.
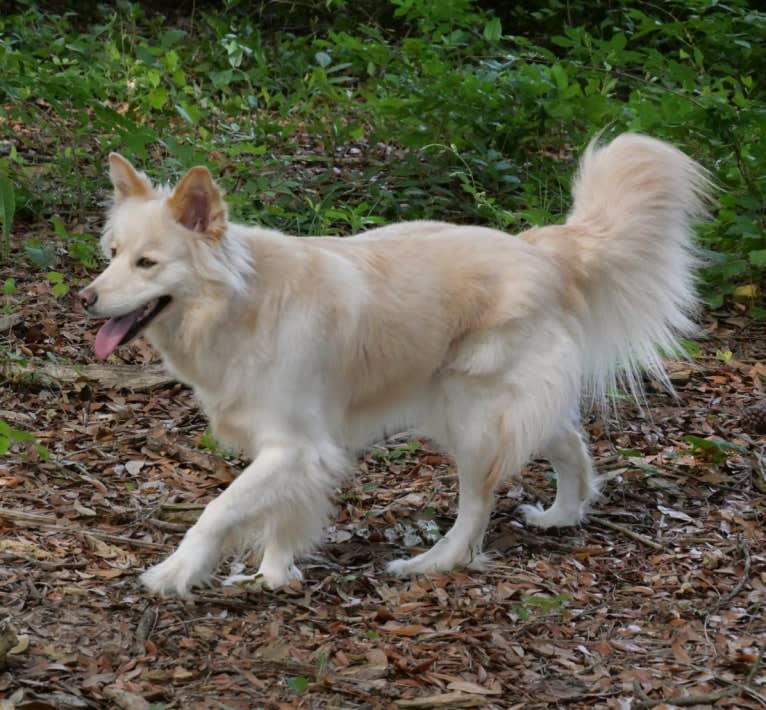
(303, 351)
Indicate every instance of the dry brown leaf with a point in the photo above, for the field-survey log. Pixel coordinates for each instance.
(405, 629)
(105, 572)
(443, 700)
(466, 686)
(125, 700)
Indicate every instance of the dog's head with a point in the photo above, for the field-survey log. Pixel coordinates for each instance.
(151, 237)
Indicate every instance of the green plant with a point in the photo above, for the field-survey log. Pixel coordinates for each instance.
(716, 450)
(398, 453)
(59, 286)
(298, 684)
(481, 112)
(9, 436)
(9, 288)
(7, 211)
(82, 247)
(208, 442)
(540, 604)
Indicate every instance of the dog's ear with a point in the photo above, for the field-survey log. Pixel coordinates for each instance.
(127, 181)
(197, 204)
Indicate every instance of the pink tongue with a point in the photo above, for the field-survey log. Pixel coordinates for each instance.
(110, 334)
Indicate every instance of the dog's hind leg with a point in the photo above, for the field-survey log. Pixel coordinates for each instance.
(461, 546)
(280, 501)
(576, 481)
(473, 422)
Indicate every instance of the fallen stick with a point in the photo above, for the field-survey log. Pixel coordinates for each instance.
(638, 537)
(138, 379)
(48, 522)
(686, 700)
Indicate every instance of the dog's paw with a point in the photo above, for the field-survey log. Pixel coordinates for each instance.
(442, 557)
(274, 578)
(400, 568)
(264, 579)
(551, 518)
(176, 576)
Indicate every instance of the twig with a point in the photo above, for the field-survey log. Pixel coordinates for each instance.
(182, 506)
(118, 539)
(48, 522)
(754, 693)
(138, 379)
(628, 532)
(686, 700)
(145, 627)
(168, 527)
(744, 550)
(43, 564)
(25, 517)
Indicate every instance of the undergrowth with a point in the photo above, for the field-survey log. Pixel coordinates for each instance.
(333, 116)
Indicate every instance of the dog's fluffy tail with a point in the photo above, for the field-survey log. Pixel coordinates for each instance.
(635, 201)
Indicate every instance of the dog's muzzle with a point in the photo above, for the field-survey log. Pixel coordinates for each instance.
(88, 298)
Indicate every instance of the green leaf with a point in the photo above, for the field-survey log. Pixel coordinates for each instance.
(187, 113)
(691, 348)
(17, 435)
(60, 290)
(7, 210)
(42, 257)
(222, 78)
(298, 684)
(158, 97)
(560, 76)
(171, 37)
(724, 356)
(493, 30)
(521, 612)
(700, 443)
(758, 257)
(59, 228)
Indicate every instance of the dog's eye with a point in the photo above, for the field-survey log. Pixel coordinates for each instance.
(144, 263)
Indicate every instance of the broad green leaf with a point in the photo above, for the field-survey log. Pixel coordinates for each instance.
(298, 684)
(493, 30)
(158, 97)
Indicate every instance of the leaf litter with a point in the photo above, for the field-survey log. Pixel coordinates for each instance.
(659, 598)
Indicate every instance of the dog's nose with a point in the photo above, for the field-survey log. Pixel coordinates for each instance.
(88, 297)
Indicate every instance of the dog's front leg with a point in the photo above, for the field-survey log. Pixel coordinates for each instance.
(280, 502)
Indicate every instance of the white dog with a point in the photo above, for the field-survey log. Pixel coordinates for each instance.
(303, 351)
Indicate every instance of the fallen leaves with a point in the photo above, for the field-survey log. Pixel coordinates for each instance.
(662, 591)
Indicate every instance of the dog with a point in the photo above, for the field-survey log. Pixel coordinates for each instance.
(304, 351)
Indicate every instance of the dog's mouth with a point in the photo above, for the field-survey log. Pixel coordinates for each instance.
(118, 331)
